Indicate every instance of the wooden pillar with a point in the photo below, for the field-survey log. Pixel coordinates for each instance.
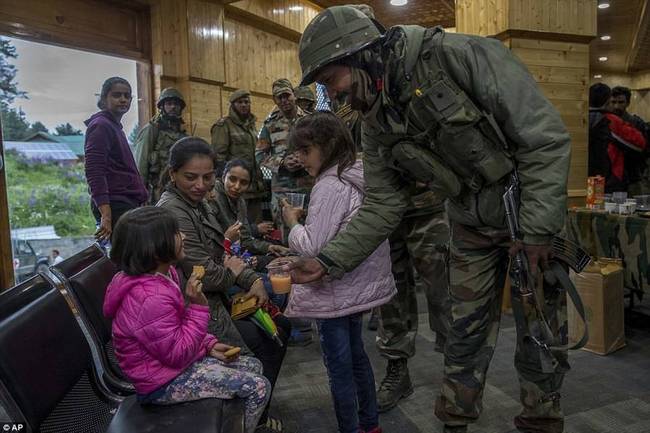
(552, 38)
(6, 251)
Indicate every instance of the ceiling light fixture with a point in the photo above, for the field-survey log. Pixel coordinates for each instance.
(398, 2)
(602, 59)
(295, 8)
(603, 5)
(598, 76)
(605, 37)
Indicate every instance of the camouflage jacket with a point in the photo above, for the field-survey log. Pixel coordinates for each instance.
(272, 148)
(152, 153)
(234, 138)
(538, 141)
(230, 211)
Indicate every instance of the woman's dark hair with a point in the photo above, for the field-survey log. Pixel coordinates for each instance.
(106, 88)
(143, 238)
(238, 163)
(599, 94)
(326, 131)
(182, 151)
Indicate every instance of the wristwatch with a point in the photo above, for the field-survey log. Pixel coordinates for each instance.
(331, 269)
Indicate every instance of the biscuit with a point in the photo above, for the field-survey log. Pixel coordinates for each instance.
(232, 352)
(198, 271)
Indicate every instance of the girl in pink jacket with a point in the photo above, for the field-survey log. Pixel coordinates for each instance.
(328, 153)
(161, 345)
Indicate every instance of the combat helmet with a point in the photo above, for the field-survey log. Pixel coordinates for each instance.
(335, 33)
(304, 92)
(170, 93)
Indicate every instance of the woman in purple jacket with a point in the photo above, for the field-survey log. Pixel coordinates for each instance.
(112, 175)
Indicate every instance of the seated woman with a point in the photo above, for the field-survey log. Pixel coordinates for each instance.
(191, 169)
(231, 208)
(161, 345)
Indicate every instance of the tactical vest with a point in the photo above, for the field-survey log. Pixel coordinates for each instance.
(460, 146)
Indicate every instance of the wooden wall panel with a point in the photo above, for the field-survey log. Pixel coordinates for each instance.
(254, 58)
(105, 27)
(491, 17)
(206, 39)
(206, 108)
(292, 14)
(172, 20)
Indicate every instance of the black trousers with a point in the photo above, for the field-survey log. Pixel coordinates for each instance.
(266, 350)
(118, 209)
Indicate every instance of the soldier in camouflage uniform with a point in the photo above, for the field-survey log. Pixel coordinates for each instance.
(235, 137)
(305, 98)
(458, 113)
(156, 138)
(272, 148)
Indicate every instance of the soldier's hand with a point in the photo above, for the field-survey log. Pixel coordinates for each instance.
(265, 227)
(538, 255)
(305, 270)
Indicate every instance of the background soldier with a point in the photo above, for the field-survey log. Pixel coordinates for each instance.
(305, 98)
(418, 89)
(157, 137)
(234, 137)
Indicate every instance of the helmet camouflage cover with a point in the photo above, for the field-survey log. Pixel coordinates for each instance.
(170, 93)
(304, 92)
(335, 33)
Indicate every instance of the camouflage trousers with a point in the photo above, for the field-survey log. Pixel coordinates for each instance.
(420, 244)
(478, 264)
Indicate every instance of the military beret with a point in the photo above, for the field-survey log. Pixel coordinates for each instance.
(238, 94)
(281, 86)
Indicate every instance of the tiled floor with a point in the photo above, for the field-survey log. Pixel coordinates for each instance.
(601, 394)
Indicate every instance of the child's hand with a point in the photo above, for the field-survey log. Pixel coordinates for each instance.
(235, 264)
(278, 250)
(290, 215)
(265, 227)
(219, 351)
(233, 232)
(194, 291)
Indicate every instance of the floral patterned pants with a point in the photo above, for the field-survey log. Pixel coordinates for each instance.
(212, 378)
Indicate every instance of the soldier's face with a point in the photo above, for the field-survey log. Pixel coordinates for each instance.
(286, 102)
(237, 181)
(337, 79)
(195, 178)
(118, 100)
(311, 159)
(618, 104)
(242, 106)
(172, 107)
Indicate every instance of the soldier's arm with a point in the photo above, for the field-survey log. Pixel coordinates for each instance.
(386, 199)
(221, 141)
(502, 85)
(143, 145)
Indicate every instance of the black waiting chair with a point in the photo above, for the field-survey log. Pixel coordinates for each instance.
(49, 382)
(84, 278)
(20, 295)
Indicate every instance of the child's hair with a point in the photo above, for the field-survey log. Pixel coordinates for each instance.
(237, 163)
(106, 88)
(182, 151)
(326, 131)
(143, 238)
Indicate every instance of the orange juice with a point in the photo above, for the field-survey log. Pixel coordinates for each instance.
(281, 283)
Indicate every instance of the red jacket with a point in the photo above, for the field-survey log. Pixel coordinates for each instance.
(625, 137)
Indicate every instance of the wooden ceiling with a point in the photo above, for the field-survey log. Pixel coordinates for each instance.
(628, 50)
(427, 13)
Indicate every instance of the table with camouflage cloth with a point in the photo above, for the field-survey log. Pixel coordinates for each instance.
(612, 235)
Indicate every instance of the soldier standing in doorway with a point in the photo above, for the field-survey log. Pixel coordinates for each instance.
(462, 115)
(156, 138)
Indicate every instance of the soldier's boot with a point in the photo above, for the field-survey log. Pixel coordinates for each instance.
(542, 416)
(455, 429)
(395, 386)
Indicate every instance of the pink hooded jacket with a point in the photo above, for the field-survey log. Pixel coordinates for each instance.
(155, 336)
(332, 205)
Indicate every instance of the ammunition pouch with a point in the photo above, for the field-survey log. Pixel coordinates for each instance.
(426, 167)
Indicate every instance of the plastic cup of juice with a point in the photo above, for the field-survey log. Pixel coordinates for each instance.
(280, 279)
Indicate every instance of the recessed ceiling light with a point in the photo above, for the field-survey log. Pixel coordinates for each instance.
(603, 5)
(597, 76)
(398, 2)
(605, 37)
(602, 59)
